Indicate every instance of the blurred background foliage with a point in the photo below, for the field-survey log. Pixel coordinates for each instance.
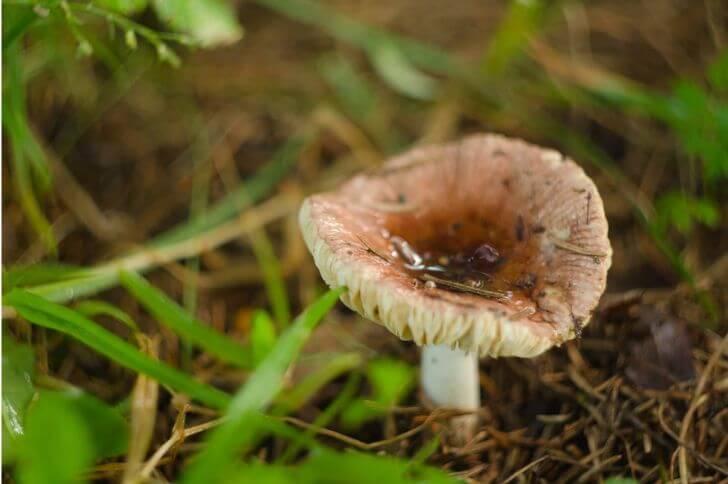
(182, 134)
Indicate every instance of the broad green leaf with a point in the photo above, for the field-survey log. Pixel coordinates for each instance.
(181, 322)
(107, 428)
(262, 336)
(682, 211)
(57, 446)
(329, 466)
(209, 22)
(362, 468)
(49, 315)
(257, 393)
(17, 387)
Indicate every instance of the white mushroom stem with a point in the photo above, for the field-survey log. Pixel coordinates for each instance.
(450, 379)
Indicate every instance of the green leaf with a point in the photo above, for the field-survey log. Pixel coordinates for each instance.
(17, 385)
(30, 168)
(718, 72)
(355, 94)
(58, 445)
(328, 466)
(400, 74)
(35, 274)
(391, 380)
(359, 467)
(124, 7)
(94, 307)
(262, 336)
(210, 22)
(108, 429)
(620, 480)
(522, 20)
(257, 393)
(49, 315)
(181, 322)
(682, 211)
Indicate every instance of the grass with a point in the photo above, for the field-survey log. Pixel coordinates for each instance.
(241, 400)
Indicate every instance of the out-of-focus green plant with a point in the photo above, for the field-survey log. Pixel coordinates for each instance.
(37, 423)
(697, 114)
(30, 26)
(391, 380)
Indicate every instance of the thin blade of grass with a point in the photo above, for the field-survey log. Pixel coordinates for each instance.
(53, 316)
(181, 322)
(104, 276)
(258, 392)
(275, 284)
(250, 192)
(300, 394)
(521, 21)
(345, 396)
(94, 307)
(36, 274)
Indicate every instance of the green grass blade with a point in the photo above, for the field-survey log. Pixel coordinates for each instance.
(36, 274)
(366, 37)
(300, 394)
(247, 194)
(258, 392)
(181, 322)
(49, 315)
(262, 336)
(521, 22)
(105, 276)
(275, 284)
(94, 307)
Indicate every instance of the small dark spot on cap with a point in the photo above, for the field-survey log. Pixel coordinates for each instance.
(520, 228)
(527, 281)
(507, 182)
(457, 226)
(537, 228)
(401, 198)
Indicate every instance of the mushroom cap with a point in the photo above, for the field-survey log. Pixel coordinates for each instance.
(537, 208)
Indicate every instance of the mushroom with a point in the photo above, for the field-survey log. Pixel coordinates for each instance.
(485, 247)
